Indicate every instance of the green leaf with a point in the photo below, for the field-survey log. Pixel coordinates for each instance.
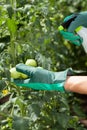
(63, 119)
(20, 123)
(34, 111)
(10, 10)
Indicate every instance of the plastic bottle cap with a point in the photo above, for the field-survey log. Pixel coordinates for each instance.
(78, 29)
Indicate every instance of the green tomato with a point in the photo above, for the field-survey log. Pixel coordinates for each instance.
(24, 76)
(31, 62)
(14, 73)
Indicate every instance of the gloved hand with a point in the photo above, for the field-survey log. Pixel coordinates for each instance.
(70, 24)
(41, 79)
(73, 38)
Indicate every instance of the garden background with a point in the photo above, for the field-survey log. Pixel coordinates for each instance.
(29, 30)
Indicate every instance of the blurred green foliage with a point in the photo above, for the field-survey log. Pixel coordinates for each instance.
(29, 29)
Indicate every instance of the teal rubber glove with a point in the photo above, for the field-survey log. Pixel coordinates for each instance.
(41, 79)
(70, 24)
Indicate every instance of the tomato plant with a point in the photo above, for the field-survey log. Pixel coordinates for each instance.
(29, 30)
